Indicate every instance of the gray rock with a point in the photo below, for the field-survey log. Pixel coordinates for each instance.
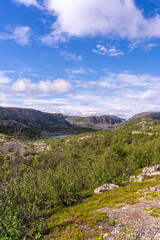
(147, 171)
(155, 188)
(105, 187)
(152, 170)
(138, 178)
(116, 230)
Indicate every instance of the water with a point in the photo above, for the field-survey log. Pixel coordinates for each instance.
(61, 136)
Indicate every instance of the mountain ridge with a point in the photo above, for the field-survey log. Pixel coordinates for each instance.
(150, 115)
(49, 124)
(38, 124)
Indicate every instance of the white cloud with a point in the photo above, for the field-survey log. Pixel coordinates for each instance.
(141, 44)
(120, 94)
(68, 56)
(80, 70)
(107, 50)
(79, 18)
(3, 78)
(27, 3)
(47, 87)
(20, 35)
(134, 44)
(149, 46)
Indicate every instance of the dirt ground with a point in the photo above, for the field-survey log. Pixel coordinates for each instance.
(137, 218)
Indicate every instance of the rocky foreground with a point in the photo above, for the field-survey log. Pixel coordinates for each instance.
(139, 219)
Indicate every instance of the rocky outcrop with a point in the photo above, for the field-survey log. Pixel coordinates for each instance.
(105, 187)
(147, 171)
(139, 178)
(155, 188)
(155, 170)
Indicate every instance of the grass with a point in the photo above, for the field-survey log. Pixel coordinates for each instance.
(83, 220)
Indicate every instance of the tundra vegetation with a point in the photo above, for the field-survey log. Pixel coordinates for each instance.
(46, 186)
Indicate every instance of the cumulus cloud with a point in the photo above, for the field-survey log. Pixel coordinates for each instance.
(107, 95)
(48, 87)
(126, 85)
(79, 18)
(20, 35)
(107, 50)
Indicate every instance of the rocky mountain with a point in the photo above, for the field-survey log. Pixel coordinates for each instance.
(96, 122)
(33, 118)
(30, 122)
(148, 115)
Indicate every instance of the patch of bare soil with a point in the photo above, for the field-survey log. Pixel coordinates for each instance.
(10, 148)
(41, 146)
(145, 226)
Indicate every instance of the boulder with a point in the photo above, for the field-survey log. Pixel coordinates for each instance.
(155, 170)
(104, 187)
(147, 171)
(155, 188)
(138, 178)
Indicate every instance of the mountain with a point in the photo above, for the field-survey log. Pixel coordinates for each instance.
(96, 122)
(148, 115)
(33, 118)
(34, 123)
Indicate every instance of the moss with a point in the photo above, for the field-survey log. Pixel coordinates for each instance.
(85, 214)
(138, 172)
(154, 214)
(153, 211)
(117, 206)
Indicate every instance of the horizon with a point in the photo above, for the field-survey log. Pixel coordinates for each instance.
(126, 119)
(80, 57)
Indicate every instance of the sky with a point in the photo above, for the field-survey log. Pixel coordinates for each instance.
(80, 57)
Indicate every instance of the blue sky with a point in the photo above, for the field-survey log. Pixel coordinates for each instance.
(80, 57)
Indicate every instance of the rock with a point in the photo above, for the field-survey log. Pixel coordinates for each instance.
(155, 170)
(132, 178)
(116, 230)
(138, 178)
(105, 187)
(105, 235)
(155, 188)
(147, 171)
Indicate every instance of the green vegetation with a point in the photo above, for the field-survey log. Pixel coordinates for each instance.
(83, 219)
(41, 184)
(153, 211)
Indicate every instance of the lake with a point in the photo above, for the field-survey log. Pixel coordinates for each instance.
(61, 136)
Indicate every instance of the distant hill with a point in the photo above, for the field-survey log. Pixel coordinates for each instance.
(34, 118)
(34, 123)
(96, 122)
(148, 115)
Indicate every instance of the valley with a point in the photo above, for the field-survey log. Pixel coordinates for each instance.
(47, 185)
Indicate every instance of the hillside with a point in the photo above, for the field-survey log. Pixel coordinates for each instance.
(96, 122)
(46, 186)
(148, 115)
(34, 118)
(29, 123)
